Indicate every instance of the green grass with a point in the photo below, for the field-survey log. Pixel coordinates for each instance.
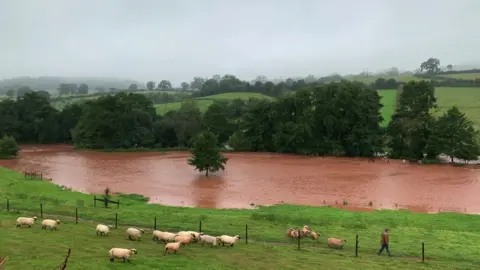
(463, 76)
(204, 102)
(467, 99)
(388, 101)
(452, 240)
(373, 78)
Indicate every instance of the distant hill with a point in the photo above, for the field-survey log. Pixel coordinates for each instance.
(50, 83)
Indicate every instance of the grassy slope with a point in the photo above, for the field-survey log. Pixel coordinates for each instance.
(445, 234)
(204, 102)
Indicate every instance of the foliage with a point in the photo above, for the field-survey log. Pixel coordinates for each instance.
(432, 66)
(455, 136)
(205, 155)
(8, 147)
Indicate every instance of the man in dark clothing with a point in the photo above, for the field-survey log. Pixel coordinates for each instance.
(385, 240)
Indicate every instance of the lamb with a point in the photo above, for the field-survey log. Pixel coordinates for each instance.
(103, 229)
(294, 233)
(334, 242)
(163, 236)
(172, 247)
(121, 253)
(26, 221)
(306, 230)
(314, 235)
(196, 235)
(212, 240)
(50, 223)
(229, 240)
(184, 239)
(134, 234)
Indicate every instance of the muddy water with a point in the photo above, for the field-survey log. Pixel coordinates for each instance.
(259, 178)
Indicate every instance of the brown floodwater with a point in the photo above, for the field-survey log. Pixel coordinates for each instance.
(263, 179)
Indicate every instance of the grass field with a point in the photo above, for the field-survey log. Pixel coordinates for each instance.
(373, 78)
(464, 76)
(204, 102)
(445, 234)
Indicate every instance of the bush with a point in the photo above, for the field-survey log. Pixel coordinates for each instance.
(8, 147)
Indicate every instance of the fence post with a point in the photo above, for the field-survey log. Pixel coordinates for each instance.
(118, 204)
(200, 226)
(246, 233)
(155, 223)
(8, 205)
(94, 201)
(105, 201)
(41, 210)
(423, 251)
(298, 239)
(356, 246)
(116, 220)
(76, 215)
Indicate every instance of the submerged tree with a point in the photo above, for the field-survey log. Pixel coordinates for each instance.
(8, 147)
(206, 156)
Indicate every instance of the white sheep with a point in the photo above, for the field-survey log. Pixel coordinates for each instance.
(195, 235)
(335, 242)
(163, 236)
(50, 223)
(103, 229)
(184, 239)
(134, 234)
(172, 247)
(229, 240)
(212, 240)
(121, 253)
(26, 221)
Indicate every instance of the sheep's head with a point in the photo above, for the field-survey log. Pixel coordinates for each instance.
(34, 218)
(192, 235)
(142, 231)
(237, 237)
(218, 239)
(201, 233)
(133, 251)
(343, 240)
(58, 221)
(315, 235)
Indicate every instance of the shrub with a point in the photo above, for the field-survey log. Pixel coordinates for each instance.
(8, 147)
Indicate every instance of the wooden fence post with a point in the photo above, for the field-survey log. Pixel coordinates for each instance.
(200, 226)
(94, 201)
(298, 239)
(76, 215)
(116, 220)
(155, 223)
(8, 205)
(423, 251)
(356, 246)
(41, 210)
(246, 233)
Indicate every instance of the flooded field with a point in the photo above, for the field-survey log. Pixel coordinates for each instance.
(259, 178)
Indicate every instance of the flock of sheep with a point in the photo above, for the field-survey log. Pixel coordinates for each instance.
(172, 241)
(305, 232)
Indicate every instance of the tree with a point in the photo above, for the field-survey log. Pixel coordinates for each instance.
(10, 93)
(393, 71)
(455, 136)
(133, 87)
(205, 154)
(216, 119)
(8, 147)
(150, 85)
(44, 94)
(449, 67)
(184, 86)
(83, 89)
(432, 66)
(164, 85)
(197, 83)
(23, 90)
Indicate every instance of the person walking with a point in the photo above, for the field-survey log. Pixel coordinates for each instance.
(384, 242)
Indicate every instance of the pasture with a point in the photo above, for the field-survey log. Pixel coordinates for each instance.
(463, 76)
(444, 234)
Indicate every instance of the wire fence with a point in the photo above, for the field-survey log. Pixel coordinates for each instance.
(248, 232)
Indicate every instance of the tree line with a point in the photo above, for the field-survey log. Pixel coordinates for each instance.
(335, 119)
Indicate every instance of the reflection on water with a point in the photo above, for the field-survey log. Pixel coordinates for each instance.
(260, 178)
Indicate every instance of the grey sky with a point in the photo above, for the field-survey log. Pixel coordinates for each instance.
(180, 39)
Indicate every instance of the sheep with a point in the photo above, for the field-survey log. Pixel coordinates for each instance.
(172, 247)
(294, 233)
(184, 239)
(196, 235)
(163, 236)
(121, 253)
(334, 242)
(213, 240)
(314, 235)
(103, 229)
(306, 230)
(26, 221)
(229, 240)
(134, 234)
(50, 223)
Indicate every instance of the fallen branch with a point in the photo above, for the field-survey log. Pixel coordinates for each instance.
(63, 265)
(2, 261)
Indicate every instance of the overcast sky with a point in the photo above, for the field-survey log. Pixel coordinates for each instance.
(180, 39)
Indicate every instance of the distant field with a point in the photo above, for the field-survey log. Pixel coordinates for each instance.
(388, 101)
(204, 102)
(465, 76)
(372, 79)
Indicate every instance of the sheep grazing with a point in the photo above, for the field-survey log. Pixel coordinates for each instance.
(121, 253)
(212, 240)
(134, 234)
(229, 240)
(172, 247)
(184, 239)
(26, 221)
(163, 236)
(103, 229)
(314, 235)
(50, 223)
(335, 242)
(196, 235)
